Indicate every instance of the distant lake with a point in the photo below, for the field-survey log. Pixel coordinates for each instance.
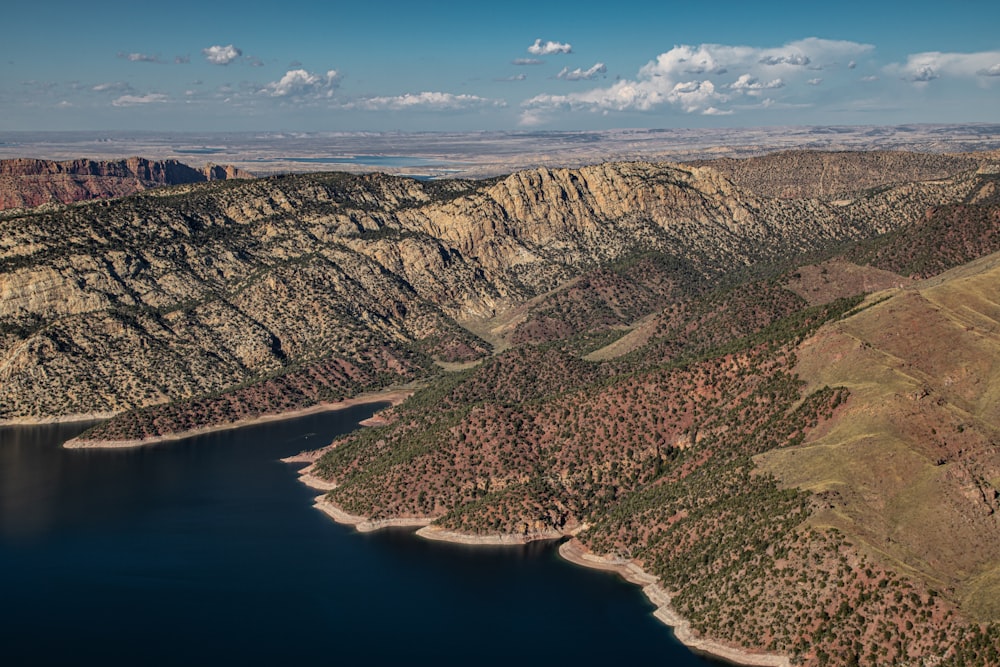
(208, 551)
(372, 160)
(199, 151)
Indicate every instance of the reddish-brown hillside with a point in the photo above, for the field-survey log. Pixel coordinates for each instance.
(26, 183)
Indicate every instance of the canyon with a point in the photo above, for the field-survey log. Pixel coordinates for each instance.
(768, 383)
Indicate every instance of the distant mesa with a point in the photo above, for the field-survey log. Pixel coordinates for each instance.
(27, 183)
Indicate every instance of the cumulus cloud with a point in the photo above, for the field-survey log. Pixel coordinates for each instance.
(527, 61)
(221, 55)
(433, 101)
(922, 68)
(852, 65)
(112, 87)
(540, 48)
(923, 74)
(695, 96)
(532, 118)
(515, 77)
(582, 75)
(300, 83)
(712, 111)
(752, 86)
(814, 82)
(796, 59)
(134, 100)
(701, 79)
(139, 57)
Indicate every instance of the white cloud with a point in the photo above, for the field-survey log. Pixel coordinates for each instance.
(696, 96)
(548, 48)
(698, 79)
(426, 100)
(582, 75)
(532, 118)
(852, 64)
(221, 55)
(922, 68)
(751, 86)
(526, 61)
(182, 60)
(139, 57)
(515, 77)
(133, 100)
(814, 82)
(796, 59)
(112, 87)
(300, 83)
(923, 74)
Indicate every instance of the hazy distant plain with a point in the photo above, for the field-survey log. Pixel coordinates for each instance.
(482, 154)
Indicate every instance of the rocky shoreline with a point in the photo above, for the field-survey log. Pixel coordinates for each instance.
(395, 397)
(63, 419)
(574, 552)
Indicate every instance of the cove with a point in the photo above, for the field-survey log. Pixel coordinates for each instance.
(208, 551)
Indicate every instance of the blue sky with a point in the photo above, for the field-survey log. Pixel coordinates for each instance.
(333, 66)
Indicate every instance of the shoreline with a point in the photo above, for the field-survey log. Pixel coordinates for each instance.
(392, 396)
(64, 419)
(572, 551)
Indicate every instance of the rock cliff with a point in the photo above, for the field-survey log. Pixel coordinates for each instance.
(26, 183)
(177, 292)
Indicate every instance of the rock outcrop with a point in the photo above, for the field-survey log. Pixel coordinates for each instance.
(26, 183)
(176, 292)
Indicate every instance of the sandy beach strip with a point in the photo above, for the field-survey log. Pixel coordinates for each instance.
(365, 524)
(576, 553)
(572, 550)
(361, 523)
(393, 396)
(498, 539)
(62, 419)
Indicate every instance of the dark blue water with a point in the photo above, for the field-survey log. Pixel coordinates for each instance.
(208, 551)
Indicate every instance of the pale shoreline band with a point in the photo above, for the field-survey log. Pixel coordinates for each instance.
(393, 396)
(574, 552)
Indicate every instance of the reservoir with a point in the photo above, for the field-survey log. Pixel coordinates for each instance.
(404, 161)
(208, 551)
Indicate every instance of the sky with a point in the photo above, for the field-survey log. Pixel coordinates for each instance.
(293, 65)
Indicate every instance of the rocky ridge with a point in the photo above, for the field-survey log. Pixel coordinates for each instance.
(839, 174)
(171, 293)
(27, 183)
(699, 446)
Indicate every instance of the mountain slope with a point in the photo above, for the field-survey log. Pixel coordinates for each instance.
(804, 472)
(171, 293)
(910, 466)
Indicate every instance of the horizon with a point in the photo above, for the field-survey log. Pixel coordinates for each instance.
(399, 67)
(483, 153)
